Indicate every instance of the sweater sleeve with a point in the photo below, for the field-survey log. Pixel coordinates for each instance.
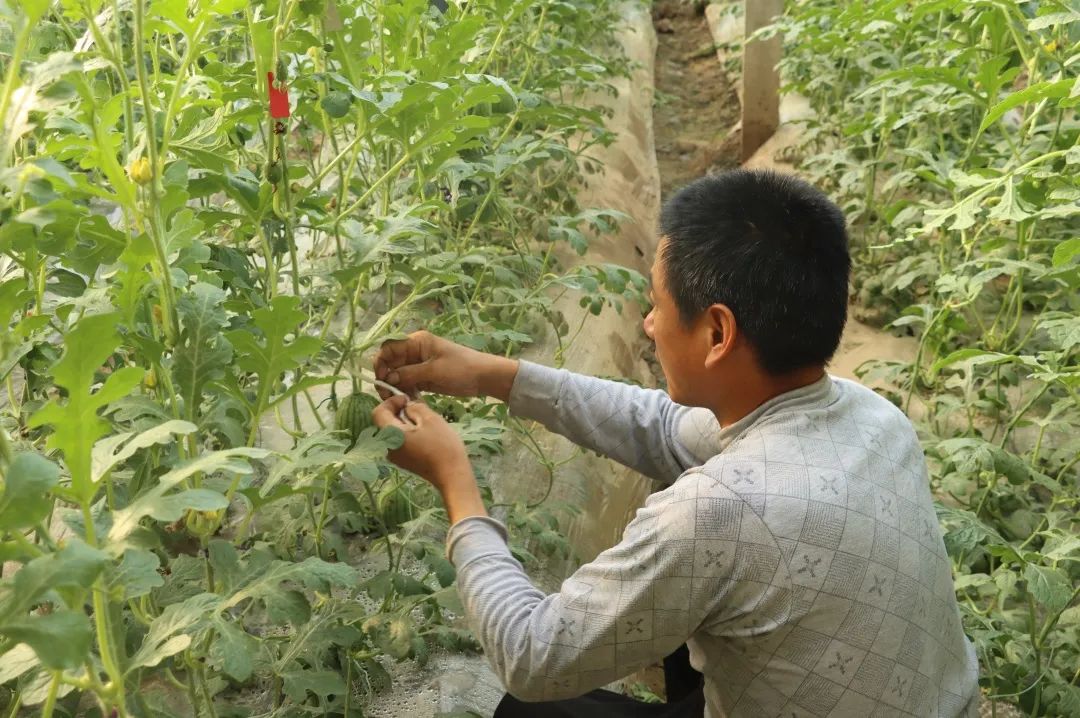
(642, 429)
(634, 604)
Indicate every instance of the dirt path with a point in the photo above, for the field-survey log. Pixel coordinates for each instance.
(696, 106)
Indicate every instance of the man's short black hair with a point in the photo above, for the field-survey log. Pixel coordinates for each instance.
(771, 247)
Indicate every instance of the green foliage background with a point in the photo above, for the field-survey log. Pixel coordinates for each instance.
(180, 276)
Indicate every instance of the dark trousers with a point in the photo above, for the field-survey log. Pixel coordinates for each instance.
(685, 699)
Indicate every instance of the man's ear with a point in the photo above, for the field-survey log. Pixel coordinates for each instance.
(724, 332)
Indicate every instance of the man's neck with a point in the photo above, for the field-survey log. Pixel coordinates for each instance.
(758, 388)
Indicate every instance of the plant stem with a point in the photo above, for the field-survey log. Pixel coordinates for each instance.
(21, 43)
(101, 624)
(16, 703)
(375, 185)
(382, 526)
(168, 293)
(50, 699)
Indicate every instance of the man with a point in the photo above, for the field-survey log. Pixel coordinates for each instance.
(796, 550)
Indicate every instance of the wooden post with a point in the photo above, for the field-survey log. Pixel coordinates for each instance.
(761, 79)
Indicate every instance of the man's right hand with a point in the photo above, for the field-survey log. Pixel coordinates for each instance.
(425, 362)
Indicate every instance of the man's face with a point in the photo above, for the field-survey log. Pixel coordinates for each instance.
(675, 346)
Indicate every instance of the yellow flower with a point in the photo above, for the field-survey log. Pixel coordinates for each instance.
(139, 171)
(29, 172)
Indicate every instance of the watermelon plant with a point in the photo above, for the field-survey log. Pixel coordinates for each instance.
(354, 415)
(211, 213)
(949, 131)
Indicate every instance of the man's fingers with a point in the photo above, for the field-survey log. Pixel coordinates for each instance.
(392, 354)
(410, 378)
(419, 411)
(396, 353)
(386, 413)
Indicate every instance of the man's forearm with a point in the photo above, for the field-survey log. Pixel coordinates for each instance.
(496, 377)
(637, 427)
(460, 494)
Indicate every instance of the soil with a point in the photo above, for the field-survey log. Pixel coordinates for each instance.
(696, 104)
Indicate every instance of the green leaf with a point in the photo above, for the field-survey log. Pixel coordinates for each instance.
(379, 586)
(174, 12)
(273, 353)
(32, 96)
(317, 450)
(964, 213)
(76, 565)
(1009, 208)
(1063, 547)
(34, 9)
(449, 599)
(444, 570)
(1067, 698)
(224, 560)
(13, 297)
(25, 499)
(171, 632)
(990, 76)
(374, 676)
(287, 607)
(243, 187)
(16, 662)
(963, 531)
(182, 231)
(60, 639)
(971, 580)
(155, 503)
(321, 683)
(202, 353)
(1032, 93)
(1066, 251)
(336, 104)
(1054, 18)
(974, 357)
(1016, 470)
(76, 424)
(114, 450)
(314, 573)
(136, 575)
(232, 650)
(97, 244)
(130, 283)
(1050, 586)
(1069, 617)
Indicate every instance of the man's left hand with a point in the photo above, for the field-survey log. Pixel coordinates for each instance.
(432, 448)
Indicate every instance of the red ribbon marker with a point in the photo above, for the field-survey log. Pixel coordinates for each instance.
(279, 99)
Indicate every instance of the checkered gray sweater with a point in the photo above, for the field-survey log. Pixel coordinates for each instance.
(797, 552)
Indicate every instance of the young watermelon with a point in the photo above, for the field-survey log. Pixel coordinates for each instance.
(394, 505)
(354, 415)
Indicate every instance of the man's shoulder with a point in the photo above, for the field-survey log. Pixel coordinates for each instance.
(860, 400)
(854, 416)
